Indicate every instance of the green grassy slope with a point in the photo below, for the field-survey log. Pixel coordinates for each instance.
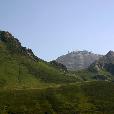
(19, 70)
(88, 75)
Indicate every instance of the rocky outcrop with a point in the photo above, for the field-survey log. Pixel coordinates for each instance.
(77, 60)
(14, 46)
(106, 62)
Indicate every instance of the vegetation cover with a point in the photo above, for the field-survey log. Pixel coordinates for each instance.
(82, 98)
(29, 85)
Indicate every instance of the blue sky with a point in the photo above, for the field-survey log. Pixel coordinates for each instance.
(53, 27)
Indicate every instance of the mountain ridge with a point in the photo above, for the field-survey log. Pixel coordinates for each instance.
(15, 46)
(77, 60)
(20, 68)
(106, 62)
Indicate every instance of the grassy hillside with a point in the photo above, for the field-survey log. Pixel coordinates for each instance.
(86, 98)
(88, 75)
(29, 85)
(20, 68)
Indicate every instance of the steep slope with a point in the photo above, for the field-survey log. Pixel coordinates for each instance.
(101, 69)
(104, 67)
(78, 60)
(105, 62)
(20, 68)
(58, 65)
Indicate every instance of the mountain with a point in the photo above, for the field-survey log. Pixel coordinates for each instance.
(101, 69)
(30, 85)
(20, 68)
(77, 60)
(105, 63)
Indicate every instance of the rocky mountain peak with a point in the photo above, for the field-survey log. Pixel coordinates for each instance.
(77, 60)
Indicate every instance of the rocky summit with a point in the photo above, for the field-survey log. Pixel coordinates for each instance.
(77, 60)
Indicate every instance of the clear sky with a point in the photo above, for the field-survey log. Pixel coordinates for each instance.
(53, 27)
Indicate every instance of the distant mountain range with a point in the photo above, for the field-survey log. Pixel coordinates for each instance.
(77, 60)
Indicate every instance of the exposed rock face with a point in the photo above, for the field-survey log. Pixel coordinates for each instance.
(106, 62)
(78, 59)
